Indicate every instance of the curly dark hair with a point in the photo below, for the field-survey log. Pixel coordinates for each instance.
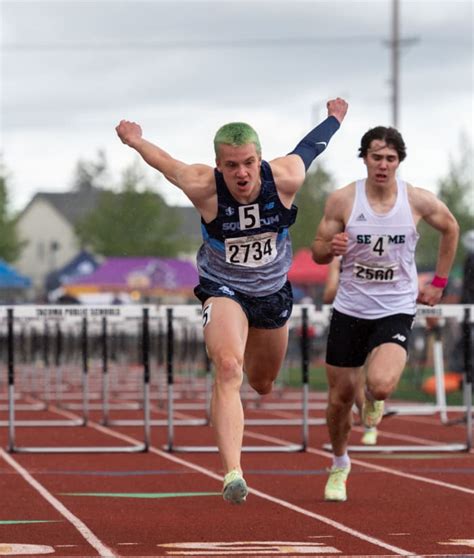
(391, 136)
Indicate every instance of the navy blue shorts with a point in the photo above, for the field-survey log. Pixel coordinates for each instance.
(350, 339)
(264, 312)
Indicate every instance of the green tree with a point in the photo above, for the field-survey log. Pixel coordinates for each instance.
(10, 244)
(310, 201)
(91, 174)
(132, 222)
(456, 190)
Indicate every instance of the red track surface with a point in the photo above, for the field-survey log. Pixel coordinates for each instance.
(399, 504)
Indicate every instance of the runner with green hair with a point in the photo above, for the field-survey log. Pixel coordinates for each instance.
(236, 134)
(246, 208)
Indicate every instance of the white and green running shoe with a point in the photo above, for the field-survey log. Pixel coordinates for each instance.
(335, 490)
(369, 438)
(235, 488)
(372, 413)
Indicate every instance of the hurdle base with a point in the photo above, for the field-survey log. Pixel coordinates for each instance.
(155, 422)
(289, 448)
(284, 422)
(142, 448)
(403, 449)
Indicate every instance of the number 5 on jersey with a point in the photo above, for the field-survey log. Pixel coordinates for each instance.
(249, 217)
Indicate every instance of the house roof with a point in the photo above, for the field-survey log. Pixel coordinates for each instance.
(73, 205)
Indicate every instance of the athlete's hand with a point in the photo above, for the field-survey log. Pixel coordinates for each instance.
(339, 244)
(429, 295)
(129, 132)
(338, 108)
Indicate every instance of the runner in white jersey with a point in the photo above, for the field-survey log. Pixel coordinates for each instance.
(372, 223)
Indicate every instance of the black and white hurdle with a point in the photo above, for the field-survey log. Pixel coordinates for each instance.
(84, 315)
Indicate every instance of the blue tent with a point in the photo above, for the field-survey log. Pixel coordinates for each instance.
(11, 279)
(81, 265)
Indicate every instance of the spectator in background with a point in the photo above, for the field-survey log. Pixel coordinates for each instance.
(467, 293)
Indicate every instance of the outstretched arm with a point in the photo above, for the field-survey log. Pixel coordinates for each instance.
(131, 134)
(290, 171)
(192, 179)
(314, 143)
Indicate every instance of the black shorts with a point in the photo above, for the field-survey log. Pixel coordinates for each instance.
(351, 339)
(264, 312)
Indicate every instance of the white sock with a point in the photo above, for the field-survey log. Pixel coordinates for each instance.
(340, 461)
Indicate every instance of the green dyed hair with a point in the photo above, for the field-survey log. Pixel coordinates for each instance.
(236, 134)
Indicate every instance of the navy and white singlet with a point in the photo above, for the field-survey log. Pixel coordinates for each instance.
(247, 246)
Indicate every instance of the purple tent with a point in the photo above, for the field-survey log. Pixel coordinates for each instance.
(154, 275)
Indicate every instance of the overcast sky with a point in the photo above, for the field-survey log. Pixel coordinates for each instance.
(70, 70)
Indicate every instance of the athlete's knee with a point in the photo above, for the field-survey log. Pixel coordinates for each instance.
(382, 390)
(342, 398)
(261, 386)
(228, 370)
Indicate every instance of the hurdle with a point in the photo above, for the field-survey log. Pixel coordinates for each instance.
(45, 349)
(314, 317)
(442, 313)
(464, 313)
(85, 315)
(189, 312)
(300, 312)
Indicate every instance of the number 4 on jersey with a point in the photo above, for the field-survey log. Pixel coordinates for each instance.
(379, 246)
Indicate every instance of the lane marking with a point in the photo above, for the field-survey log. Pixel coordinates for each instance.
(247, 548)
(378, 468)
(283, 503)
(459, 542)
(110, 473)
(414, 456)
(88, 535)
(26, 521)
(10, 549)
(141, 494)
(382, 433)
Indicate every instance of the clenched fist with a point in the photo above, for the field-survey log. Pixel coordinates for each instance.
(129, 132)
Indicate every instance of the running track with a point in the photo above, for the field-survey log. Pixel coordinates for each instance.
(162, 504)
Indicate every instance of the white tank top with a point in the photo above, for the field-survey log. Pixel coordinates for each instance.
(378, 272)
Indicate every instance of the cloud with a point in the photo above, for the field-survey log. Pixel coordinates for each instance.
(72, 69)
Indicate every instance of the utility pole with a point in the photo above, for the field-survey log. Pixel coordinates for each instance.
(395, 45)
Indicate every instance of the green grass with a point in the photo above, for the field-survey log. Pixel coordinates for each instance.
(409, 387)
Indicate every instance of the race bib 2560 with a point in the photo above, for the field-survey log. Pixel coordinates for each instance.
(383, 274)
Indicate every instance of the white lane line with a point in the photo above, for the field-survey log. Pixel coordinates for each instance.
(278, 501)
(381, 432)
(434, 421)
(59, 507)
(378, 468)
